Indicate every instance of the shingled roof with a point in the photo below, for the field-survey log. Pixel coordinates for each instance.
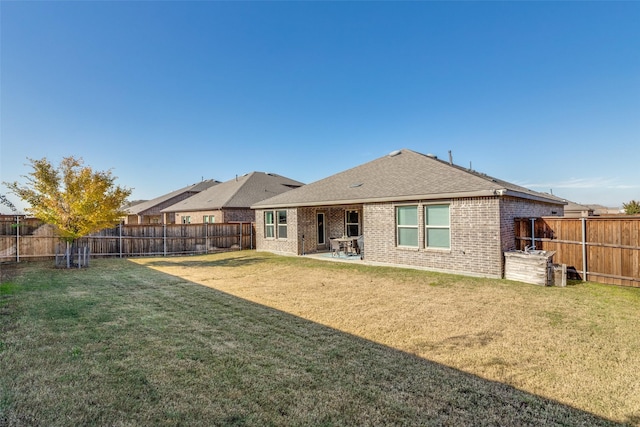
(140, 208)
(400, 175)
(240, 192)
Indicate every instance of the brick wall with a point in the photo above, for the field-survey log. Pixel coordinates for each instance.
(292, 245)
(475, 239)
(334, 224)
(481, 230)
(512, 208)
(226, 215)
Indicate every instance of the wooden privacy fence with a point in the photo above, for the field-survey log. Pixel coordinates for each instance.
(599, 249)
(26, 239)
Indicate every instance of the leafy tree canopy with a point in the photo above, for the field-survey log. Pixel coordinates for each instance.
(73, 197)
(631, 208)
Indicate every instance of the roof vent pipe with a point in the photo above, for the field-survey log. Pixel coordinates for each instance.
(450, 158)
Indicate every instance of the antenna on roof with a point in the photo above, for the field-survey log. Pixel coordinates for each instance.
(450, 158)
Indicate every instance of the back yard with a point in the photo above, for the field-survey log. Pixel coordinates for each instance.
(250, 338)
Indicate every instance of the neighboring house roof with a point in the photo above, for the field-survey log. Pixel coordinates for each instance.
(575, 208)
(140, 208)
(241, 192)
(572, 209)
(400, 175)
(604, 210)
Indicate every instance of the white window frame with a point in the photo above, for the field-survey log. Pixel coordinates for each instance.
(281, 226)
(279, 229)
(270, 225)
(347, 223)
(400, 227)
(428, 227)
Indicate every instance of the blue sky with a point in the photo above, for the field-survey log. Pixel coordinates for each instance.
(164, 94)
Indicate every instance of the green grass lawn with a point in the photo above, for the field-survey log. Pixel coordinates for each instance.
(124, 343)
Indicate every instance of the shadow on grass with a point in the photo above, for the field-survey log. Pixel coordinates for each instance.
(238, 261)
(199, 356)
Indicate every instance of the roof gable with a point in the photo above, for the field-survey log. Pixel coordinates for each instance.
(401, 175)
(241, 192)
(140, 208)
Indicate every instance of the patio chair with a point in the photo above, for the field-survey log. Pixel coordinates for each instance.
(336, 247)
(360, 244)
(356, 247)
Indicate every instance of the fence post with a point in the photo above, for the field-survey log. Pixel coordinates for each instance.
(584, 249)
(206, 238)
(241, 236)
(164, 239)
(17, 238)
(68, 254)
(533, 233)
(120, 238)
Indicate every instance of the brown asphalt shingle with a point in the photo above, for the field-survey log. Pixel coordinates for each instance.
(240, 192)
(404, 176)
(191, 189)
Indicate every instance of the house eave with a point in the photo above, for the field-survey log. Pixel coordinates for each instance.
(533, 197)
(503, 192)
(191, 209)
(355, 201)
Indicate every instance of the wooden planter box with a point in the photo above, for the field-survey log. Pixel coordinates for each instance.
(535, 267)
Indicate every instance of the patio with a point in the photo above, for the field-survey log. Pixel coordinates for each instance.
(328, 256)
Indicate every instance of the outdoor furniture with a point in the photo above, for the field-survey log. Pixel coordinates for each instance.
(360, 245)
(355, 246)
(336, 247)
(348, 244)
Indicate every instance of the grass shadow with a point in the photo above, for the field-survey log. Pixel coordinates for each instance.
(200, 262)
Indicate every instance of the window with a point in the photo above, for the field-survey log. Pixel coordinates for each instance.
(282, 224)
(209, 219)
(437, 228)
(407, 225)
(269, 225)
(352, 223)
(273, 219)
(186, 219)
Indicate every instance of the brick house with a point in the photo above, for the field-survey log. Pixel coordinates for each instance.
(149, 211)
(411, 209)
(230, 201)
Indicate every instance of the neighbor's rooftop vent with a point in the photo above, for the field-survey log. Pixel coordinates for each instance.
(394, 153)
(433, 156)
